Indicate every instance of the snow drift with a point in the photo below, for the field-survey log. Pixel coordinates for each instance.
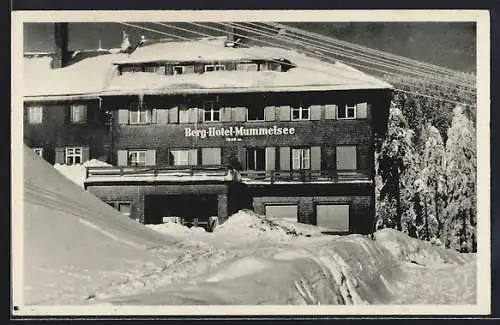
(73, 241)
(77, 173)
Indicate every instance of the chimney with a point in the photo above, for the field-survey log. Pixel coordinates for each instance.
(60, 45)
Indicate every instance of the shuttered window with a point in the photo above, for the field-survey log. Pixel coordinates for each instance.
(35, 114)
(72, 155)
(346, 158)
(347, 111)
(270, 113)
(255, 114)
(184, 157)
(140, 116)
(270, 158)
(211, 156)
(183, 116)
(300, 113)
(330, 111)
(210, 112)
(137, 158)
(256, 159)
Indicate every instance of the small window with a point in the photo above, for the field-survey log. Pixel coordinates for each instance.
(256, 159)
(301, 158)
(214, 67)
(139, 116)
(35, 114)
(183, 69)
(247, 67)
(74, 156)
(346, 158)
(346, 111)
(38, 151)
(300, 113)
(255, 114)
(137, 158)
(159, 69)
(78, 113)
(210, 112)
(124, 208)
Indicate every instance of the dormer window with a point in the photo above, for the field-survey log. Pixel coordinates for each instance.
(183, 69)
(214, 67)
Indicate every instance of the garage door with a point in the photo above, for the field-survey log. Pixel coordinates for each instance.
(333, 216)
(287, 212)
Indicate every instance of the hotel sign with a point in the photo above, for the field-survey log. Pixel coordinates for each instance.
(232, 133)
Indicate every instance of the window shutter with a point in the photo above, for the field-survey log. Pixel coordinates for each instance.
(242, 157)
(210, 156)
(123, 116)
(173, 115)
(154, 116)
(193, 156)
(192, 115)
(169, 69)
(150, 157)
(284, 113)
(59, 156)
(85, 154)
(239, 114)
(346, 158)
(330, 111)
(225, 114)
(316, 158)
(315, 112)
(270, 158)
(122, 158)
(162, 116)
(198, 113)
(270, 113)
(284, 158)
(362, 110)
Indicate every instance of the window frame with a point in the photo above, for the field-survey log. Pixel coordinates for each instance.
(301, 158)
(212, 112)
(216, 67)
(137, 153)
(120, 203)
(300, 109)
(71, 152)
(139, 111)
(82, 112)
(183, 69)
(186, 151)
(247, 64)
(346, 108)
(255, 160)
(35, 114)
(38, 151)
(259, 120)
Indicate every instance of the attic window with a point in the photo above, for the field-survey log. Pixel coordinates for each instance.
(183, 69)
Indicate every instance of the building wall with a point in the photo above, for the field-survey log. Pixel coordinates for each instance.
(57, 131)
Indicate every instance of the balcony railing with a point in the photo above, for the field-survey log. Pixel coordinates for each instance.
(218, 173)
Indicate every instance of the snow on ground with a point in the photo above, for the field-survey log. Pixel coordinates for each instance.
(77, 173)
(78, 250)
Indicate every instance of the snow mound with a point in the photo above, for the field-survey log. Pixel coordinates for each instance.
(246, 223)
(407, 249)
(73, 242)
(170, 228)
(77, 173)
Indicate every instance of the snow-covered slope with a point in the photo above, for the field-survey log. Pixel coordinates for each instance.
(74, 242)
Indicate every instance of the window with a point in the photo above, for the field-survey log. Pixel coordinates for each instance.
(214, 67)
(255, 114)
(183, 69)
(346, 111)
(38, 151)
(301, 158)
(288, 212)
(210, 112)
(300, 113)
(74, 156)
(78, 113)
(256, 159)
(246, 67)
(131, 68)
(139, 116)
(124, 208)
(333, 216)
(35, 114)
(159, 69)
(346, 158)
(137, 158)
(184, 157)
(211, 156)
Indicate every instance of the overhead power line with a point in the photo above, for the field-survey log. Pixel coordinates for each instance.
(208, 35)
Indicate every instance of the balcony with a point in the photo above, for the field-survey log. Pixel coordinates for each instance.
(303, 176)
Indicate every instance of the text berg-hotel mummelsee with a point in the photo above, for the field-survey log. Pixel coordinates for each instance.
(237, 131)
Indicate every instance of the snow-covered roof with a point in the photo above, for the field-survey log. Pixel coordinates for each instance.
(96, 76)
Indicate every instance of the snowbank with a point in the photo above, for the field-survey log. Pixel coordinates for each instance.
(74, 242)
(407, 249)
(77, 173)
